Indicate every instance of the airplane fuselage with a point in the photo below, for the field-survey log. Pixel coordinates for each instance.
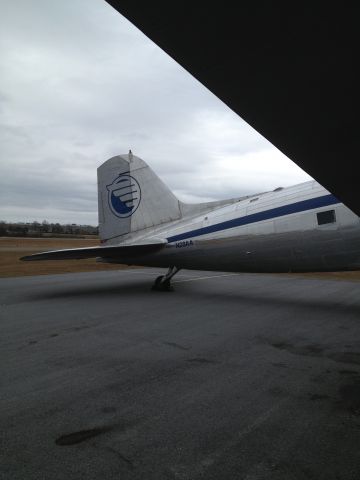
(303, 228)
(294, 229)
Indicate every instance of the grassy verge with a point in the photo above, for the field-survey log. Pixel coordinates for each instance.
(11, 249)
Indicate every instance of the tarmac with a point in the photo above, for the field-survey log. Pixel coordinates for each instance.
(231, 376)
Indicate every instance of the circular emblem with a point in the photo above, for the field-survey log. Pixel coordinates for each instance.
(124, 195)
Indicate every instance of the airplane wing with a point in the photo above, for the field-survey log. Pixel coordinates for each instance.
(91, 252)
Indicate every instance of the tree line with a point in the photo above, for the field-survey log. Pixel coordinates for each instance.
(45, 229)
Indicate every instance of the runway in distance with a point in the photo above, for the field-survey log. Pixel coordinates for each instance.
(303, 228)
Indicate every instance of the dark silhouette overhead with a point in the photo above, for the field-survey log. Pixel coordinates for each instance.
(288, 71)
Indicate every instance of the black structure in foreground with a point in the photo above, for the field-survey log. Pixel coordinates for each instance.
(288, 70)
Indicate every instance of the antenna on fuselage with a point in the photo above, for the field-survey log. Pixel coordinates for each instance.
(130, 155)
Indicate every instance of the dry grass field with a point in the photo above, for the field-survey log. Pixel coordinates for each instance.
(11, 249)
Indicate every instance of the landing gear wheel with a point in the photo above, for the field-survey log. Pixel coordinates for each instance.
(161, 285)
(157, 282)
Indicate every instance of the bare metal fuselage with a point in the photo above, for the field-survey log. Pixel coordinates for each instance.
(275, 232)
(302, 228)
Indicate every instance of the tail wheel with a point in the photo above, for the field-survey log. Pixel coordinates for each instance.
(161, 285)
(158, 280)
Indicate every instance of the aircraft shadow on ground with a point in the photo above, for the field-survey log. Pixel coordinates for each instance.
(191, 292)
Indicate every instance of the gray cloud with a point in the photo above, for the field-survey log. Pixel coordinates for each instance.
(79, 84)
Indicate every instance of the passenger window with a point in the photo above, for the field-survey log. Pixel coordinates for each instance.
(326, 217)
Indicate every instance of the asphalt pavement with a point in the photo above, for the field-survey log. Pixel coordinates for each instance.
(231, 376)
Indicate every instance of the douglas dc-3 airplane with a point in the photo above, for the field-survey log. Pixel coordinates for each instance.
(303, 228)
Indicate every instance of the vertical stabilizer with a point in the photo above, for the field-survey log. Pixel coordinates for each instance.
(132, 198)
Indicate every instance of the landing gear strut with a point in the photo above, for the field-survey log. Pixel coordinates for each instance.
(162, 283)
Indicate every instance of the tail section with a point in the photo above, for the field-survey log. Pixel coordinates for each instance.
(132, 198)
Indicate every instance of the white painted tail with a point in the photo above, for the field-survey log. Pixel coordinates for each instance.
(132, 198)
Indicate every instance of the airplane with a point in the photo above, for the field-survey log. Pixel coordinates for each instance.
(302, 228)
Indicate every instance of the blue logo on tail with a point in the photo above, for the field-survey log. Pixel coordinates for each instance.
(124, 195)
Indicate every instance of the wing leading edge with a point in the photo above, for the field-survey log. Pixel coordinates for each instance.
(92, 252)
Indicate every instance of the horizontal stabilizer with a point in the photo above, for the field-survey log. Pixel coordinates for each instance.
(92, 252)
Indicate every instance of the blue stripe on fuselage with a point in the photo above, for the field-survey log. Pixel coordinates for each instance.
(297, 207)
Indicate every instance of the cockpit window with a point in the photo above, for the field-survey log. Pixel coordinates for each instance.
(326, 217)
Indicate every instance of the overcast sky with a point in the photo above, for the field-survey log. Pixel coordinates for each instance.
(79, 84)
